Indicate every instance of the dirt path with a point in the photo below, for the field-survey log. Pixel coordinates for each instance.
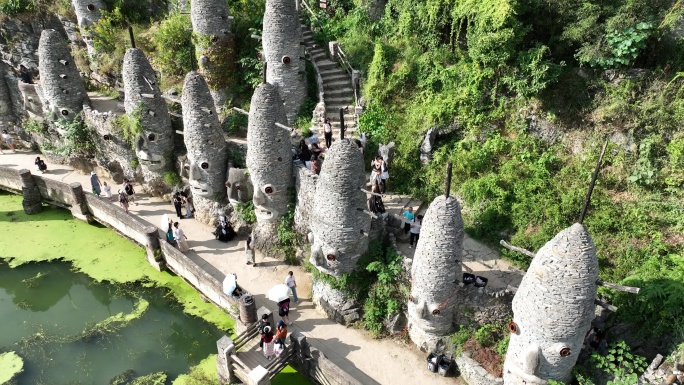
(372, 361)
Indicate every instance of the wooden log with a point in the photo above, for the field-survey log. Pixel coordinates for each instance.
(284, 126)
(629, 289)
(606, 305)
(515, 248)
(171, 99)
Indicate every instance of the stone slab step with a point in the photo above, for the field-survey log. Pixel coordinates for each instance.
(326, 73)
(345, 93)
(344, 82)
(339, 77)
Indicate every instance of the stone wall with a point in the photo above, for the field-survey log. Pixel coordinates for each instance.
(7, 116)
(31, 97)
(335, 304)
(143, 101)
(284, 54)
(313, 364)
(19, 39)
(473, 373)
(553, 309)
(54, 191)
(87, 13)
(305, 185)
(63, 88)
(115, 217)
(9, 179)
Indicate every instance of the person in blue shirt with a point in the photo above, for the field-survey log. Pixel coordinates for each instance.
(408, 215)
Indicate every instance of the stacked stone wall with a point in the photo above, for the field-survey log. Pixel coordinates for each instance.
(305, 184)
(88, 12)
(63, 89)
(284, 54)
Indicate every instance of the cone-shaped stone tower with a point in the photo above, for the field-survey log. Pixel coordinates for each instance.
(87, 13)
(337, 223)
(154, 146)
(63, 88)
(552, 310)
(435, 270)
(269, 160)
(214, 47)
(207, 149)
(282, 35)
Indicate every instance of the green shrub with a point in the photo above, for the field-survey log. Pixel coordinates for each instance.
(288, 239)
(306, 130)
(620, 363)
(246, 211)
(14, 7)
(131, 125)
(173, 45)
(34, 126)
(107, 30)
(77, 136)
(172, 179)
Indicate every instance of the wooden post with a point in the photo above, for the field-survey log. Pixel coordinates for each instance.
(448, 180)
(587, 198)
(342, 128)
(130, 36)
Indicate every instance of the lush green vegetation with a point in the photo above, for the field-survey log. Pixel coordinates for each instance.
(497, 77)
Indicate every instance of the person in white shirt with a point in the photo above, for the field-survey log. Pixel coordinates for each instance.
(415, 230)
(107, 190)
(292, 284)
(327, 132)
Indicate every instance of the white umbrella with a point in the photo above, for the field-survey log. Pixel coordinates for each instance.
(229, 284)
(165, 222)
(279, 293)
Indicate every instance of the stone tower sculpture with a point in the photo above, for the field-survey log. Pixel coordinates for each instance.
(207, 149)
(552, 310)
(283, 52)
(63, 89)
(214, 47)
(338, 223)
(7, 115)
(87, 13)
(269, 160)
(435, 270)
(154, 146)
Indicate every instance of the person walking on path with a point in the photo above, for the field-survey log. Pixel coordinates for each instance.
(384, 174)
(107, 190)
(123, 200)
(264, 323)
(42, 167)
(188, 206)
(178, 204)
(8, 140)
(327, 132)
(268, 342)
(249, 251)
(284, 310)
(408, 216)
(170, 238)
(130, 192)
(292, 284)
(316, 164)
(180, 238)
(280, 336)
(415, 230)
(95, 183)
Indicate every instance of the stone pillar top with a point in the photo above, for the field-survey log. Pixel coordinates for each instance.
(210, 17)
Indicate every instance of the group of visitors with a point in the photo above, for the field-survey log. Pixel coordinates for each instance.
(412, 225)
(181, 200)
(42, 167)
(100, 187)
(224, 231)
(273, 343)
(126, 194)
(176, 237)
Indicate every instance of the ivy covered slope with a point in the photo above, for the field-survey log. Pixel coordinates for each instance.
(524, 93)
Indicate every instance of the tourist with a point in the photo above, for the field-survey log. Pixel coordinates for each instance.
(249, 251)
(8, 140)
(107, 190)
(315, 150)
(304, 154)
(327, 132)
(316, 165)
(359, 145)
(42, 167)
(224, 232)
(268, 342)
(25, 75)
(170, 238)
(188, 206)
(375, 203)
(262, 326)
(384, 174)
(130, 192)
(415, 230)
(123, 200)
(313, 139)
(95, 183)
(281, 334)
(408, 216)
(178, 204)
(284, 310)
(180, 238)
(292, 284)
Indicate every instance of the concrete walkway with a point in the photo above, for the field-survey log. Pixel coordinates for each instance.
(385, 361)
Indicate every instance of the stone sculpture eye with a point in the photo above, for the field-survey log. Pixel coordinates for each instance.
(90, 7)
(513, 327)
(269, 189)
(436, 312)
(331, 257)
(204, 165)
(286, 60)
(65, 112)
(280, 159)
(237, 187)
(106, 137)
(151, 137)
(564, 352)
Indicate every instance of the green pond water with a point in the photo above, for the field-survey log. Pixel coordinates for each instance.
(80, 305)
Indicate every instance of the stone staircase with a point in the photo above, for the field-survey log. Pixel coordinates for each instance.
(337, 87)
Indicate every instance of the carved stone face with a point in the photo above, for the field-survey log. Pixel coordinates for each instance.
(149, 151)
(239, 186)
(200, 178)
(267, 202)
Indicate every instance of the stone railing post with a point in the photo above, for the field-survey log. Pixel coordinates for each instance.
(224, 364)
(303, 353)
(79, 208)
(153, 248)
(258, 376)
(333, 46)
(33, 201)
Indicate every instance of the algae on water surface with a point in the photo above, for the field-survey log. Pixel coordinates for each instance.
(10, 365)
(94, 250)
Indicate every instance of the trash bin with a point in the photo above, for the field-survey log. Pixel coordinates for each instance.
(444, 367)
(480, 281)
(433, 362)
(468, 278)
